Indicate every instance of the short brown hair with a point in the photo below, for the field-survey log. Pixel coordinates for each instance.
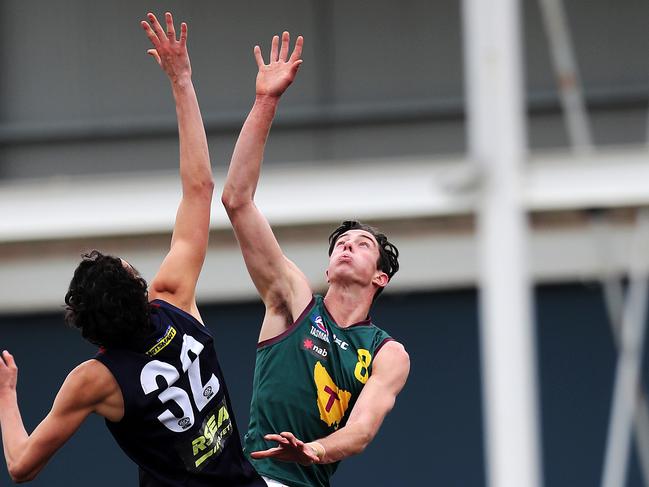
(388, 261)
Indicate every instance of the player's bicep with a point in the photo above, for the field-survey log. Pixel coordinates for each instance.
(389, 374)
(178, 274)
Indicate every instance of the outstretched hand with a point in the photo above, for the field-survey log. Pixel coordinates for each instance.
(289, 449)
(273, 78)
(170, 53)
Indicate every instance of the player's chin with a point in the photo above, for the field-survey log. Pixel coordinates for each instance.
(345, 273)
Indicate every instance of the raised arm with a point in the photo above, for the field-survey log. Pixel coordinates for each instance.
(281, 285)
(389, 375)
(176, 280)
(89, 388)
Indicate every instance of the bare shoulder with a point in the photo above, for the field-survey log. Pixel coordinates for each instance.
(392, 362)
(91, 371)
(90, 383)
(393, 351)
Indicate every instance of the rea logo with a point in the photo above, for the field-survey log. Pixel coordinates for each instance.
(315, 350)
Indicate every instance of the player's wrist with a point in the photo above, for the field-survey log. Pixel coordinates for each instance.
(181, 82)
(319, 450)
(8, 398)
(267, 99)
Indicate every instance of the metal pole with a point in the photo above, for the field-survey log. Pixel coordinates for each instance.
(614, 303)
(627, 375)
(567, 74)
(497, 140)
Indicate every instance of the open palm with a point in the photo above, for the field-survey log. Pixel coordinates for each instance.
(288, 449)
(169, 52)
(275, 77)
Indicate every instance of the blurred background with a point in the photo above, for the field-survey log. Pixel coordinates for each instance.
(374, 128)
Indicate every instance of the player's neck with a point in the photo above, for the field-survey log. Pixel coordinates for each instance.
(348, 304)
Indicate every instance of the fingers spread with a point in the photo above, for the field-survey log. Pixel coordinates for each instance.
(291, 438)
(171, 31)
(283, 53)
(150, 34)
(8, 359)
(271, 452)
(277, 438)
(288, 435)
(258, 57)
(296, 65)
(183, 34)
(154, 54)
(274, 50)
(297, 51)
(157, 28)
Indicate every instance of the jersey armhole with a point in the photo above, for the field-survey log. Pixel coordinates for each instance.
(165, 304)
(290, 329)
(121, 390)
(380, 346)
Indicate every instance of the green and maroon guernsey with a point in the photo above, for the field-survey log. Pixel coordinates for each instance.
(307, 381)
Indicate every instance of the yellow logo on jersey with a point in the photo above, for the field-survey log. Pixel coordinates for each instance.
(332, 401)
(162, 342)
(361, 371)
(216, 430)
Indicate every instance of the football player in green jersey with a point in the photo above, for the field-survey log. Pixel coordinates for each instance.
(321, 387)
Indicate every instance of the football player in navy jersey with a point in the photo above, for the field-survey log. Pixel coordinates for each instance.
(156, 379)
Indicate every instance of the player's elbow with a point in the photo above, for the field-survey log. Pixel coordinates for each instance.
(364, 438)
(19, 474)
(203, 186)
(233, 201)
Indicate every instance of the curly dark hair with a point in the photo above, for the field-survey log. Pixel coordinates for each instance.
(107, 302)
(388, 260)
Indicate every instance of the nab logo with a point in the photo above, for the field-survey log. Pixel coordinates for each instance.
(320, 352)
(208, 392)
(184, 423)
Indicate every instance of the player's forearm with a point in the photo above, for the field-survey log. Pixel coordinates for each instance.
(14, 436)
(195, 169)
(346, 442)
(245, 167)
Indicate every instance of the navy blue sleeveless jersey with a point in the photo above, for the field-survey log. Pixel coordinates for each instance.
(178, 424)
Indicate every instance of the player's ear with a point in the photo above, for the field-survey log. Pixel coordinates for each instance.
(381, 279)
